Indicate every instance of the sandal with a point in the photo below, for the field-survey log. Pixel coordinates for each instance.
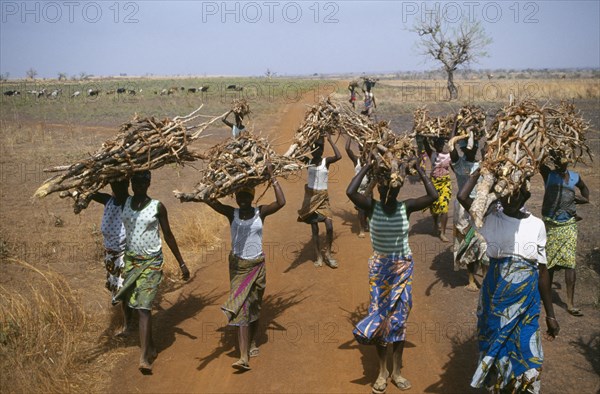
(331, 263)
(241, 365)
(380, 385)
(575, 312)
(253, 352)
(401, 382)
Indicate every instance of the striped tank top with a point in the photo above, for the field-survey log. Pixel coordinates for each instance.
(389, 233)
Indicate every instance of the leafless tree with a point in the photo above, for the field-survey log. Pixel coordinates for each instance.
(270, 73)
(31, 73)
(452, 47)
(62, 76)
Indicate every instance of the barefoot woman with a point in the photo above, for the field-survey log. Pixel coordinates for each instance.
(142, 217)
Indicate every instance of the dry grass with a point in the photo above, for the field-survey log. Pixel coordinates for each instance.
(40, 333)
(495, 90)
(196, 230)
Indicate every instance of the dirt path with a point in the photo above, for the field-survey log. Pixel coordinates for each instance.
(306, 342)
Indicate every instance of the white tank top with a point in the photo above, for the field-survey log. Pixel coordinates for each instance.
(357, 169)
(318, 176)
(141, 228)
(112, 227)
(246, 235)
(235, 131)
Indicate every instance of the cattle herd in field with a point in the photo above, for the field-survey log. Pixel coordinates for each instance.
(55, 93)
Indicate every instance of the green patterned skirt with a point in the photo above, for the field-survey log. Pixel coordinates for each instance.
(561, 243)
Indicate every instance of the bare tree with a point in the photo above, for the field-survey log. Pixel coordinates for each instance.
(270, 73)
(31, 73)
(451, 47)
(62, 76)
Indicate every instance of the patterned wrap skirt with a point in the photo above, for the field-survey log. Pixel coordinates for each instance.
(390, 287)
(114, 264)
(510, 347)
(444, 188)
(141, 276)
(248, 279)
(561, 243)
(315, 206)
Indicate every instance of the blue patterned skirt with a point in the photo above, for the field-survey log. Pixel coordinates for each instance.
(510, 347)
(390, 282)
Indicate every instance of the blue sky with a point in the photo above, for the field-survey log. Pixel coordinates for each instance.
(288, 37)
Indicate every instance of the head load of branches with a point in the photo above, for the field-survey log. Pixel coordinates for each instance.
(522, 137)
(240, 107)
(236, 164)
(141, 144)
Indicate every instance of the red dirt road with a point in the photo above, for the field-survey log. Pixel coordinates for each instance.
(305, 336)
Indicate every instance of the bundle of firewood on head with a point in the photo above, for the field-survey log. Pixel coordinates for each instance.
(426, 126)
(566, 131)
(240, 107)
(469, 124)
(236, 164)
(393, 157)
(391, 153)
(319, 120)
(141, 144)
(521, 138)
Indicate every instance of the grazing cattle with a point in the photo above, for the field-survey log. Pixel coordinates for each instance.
(231, 87)
(192, 90)
(55, 93)
(182, 88)
(172, 91)
(239, 88)
(131, 92)
(490, 76)
(121, 90)
(76, 94)
(93, 92)
(12, 93)
(203, 88)
(112, 91)
(163, 92)
(41, 93)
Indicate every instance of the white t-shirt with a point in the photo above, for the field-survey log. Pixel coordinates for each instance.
(510, 237)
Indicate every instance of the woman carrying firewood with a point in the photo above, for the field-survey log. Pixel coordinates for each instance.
(113, 232)
(315, 206)
(247, 270)
(440, 175)
(363, 189)
(390, 270)
(469, 246)
(238, 126)
(142, 218)
(370, 103)
(559, 214)
(352, 88)
(510, 347)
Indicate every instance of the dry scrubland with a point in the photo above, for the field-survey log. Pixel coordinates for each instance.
(56, 322)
